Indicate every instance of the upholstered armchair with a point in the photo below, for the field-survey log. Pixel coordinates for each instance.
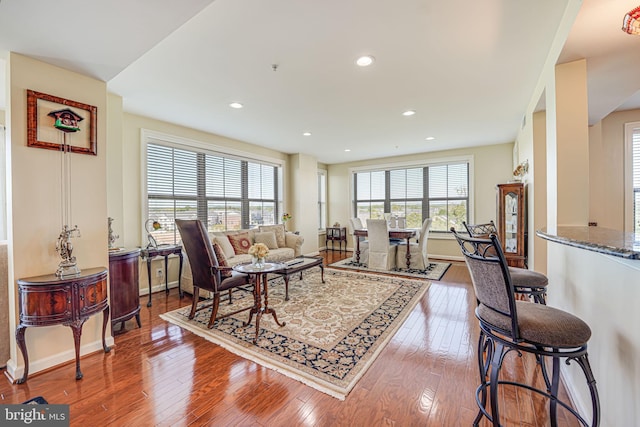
(418, 251)
(382, 254)
(208, 274)
(356, 224)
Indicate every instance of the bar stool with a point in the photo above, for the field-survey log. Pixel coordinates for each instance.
(526, 282)
(507, 324)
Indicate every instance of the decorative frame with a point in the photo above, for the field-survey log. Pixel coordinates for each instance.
(41, 132)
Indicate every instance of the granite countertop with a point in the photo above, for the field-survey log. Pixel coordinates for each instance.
(597, 239)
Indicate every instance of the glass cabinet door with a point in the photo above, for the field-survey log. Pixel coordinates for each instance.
(511, 222)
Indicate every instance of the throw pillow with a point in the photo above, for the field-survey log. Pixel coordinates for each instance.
(223, 241)
(240, 242)
(268, 238)
(279, 230)
(222, 260)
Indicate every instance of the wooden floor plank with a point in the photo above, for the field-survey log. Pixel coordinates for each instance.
(162, 375)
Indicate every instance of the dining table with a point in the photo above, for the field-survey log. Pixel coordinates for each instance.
(394, 233)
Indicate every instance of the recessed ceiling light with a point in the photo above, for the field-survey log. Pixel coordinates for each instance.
(235, 105)
(408, 113)
(347, 149)
(307, 134)
(430, 138)
(365, 61)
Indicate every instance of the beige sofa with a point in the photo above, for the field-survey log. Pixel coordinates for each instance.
(291, 249)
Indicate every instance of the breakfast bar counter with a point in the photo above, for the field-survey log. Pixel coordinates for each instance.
(597, 239)
(594, 273)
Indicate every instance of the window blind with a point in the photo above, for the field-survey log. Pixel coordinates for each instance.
(440, 192)
(224, 193)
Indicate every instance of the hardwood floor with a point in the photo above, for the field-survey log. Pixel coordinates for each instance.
(165, 376)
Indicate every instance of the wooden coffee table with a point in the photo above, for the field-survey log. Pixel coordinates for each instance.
(298, 265)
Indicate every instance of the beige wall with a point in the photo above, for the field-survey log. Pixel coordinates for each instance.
(34, 203)
(572, 121)
(304, 200)
(538, 194)
(607, 167)
(492, 165)
(125, 186)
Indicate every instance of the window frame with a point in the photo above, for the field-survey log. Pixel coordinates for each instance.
(322, 195)
(159, 138)
(468, 159)
(630, 129)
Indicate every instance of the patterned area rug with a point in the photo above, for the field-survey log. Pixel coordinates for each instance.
(333, 332)
(434, 271)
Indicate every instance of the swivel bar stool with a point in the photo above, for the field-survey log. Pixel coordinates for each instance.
(526, 282)
(507, 324)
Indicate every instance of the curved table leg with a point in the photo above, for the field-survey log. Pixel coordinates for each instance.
(180, 293)
(23, 349)
(77, 333)
(267, 309)
(149, 277)
(408, 253)
(105, 321)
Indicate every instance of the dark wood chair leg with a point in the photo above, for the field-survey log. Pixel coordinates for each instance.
(194, 303)
(214, 309)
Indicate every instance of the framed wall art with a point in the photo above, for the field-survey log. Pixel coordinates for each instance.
(53, 122)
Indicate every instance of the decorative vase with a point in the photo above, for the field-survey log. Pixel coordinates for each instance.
(257, 262)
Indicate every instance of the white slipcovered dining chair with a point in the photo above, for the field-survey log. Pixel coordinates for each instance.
(418, 251)
(382, 253)
(356, 224)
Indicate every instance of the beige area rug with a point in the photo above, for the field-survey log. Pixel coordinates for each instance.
(434, 271)
(333, 332)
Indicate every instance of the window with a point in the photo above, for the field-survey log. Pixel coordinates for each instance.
(439, 192)
(322, 199)
(632, 131)
(223, 191)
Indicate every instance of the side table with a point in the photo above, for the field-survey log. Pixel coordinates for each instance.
(338, 234)
(51, 300)
(124, 287)
(164, 251)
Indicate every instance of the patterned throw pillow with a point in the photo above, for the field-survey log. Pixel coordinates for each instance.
(268, 239)
(279, 230)
(225, 244)
(240, 242)
(222, 260)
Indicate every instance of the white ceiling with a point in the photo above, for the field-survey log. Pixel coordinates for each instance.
(467, 68)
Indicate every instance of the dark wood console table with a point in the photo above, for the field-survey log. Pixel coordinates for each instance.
(337, 234)
(164, 251)
(50, 300)
(124, 287)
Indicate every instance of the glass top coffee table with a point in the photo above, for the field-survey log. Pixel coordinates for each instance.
(260, 291)
(298, 265)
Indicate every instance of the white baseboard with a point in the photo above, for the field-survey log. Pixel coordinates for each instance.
(16, 372)
(157, 288)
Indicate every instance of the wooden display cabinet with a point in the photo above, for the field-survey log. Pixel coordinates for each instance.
(512, 222)
(124, 287)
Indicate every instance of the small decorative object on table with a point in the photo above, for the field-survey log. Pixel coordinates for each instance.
(112, 236)
(152, 225)
(258, 252)
(67, 266)
(336, 224)
(520, 171)
(285, 217)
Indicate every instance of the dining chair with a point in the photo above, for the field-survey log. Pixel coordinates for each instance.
(528, 283)
(206, 271)
(382, 253)
(417, 251)
(507, 324)
(356, 224)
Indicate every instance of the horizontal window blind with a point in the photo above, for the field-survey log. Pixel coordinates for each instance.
(225, 193)
(440, 192)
